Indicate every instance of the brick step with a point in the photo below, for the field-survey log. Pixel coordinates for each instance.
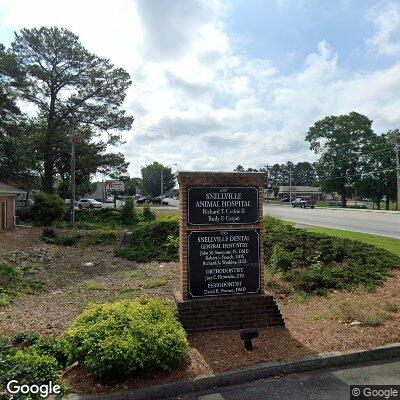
(234, 312)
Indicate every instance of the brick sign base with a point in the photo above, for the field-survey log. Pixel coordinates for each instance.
(222, 283)
(230, 312)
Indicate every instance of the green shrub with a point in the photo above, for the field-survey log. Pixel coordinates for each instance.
(316, 262)
(148, 214)
(47, 209)
(280, 259)
(106, 217)
(127, 337)
(67, 240)
(100, 237)
(28, 367)
(128, 213)
(154, 240)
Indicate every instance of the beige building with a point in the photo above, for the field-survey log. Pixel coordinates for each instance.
(312, 192)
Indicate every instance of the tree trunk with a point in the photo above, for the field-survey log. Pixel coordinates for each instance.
(343, 197)
(378, 203)
(387, 202)
(48, 173)
(48, 148)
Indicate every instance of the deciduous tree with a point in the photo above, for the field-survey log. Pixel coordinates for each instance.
(340, 140)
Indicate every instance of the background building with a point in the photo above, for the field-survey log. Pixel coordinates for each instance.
(7, 205)
(312, 192)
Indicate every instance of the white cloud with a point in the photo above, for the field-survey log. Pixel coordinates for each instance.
(196, 101)
(386, 18)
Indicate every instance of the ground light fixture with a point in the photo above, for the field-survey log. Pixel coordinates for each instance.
(247, 335)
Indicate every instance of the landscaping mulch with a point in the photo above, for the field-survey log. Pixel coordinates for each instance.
(76, 276)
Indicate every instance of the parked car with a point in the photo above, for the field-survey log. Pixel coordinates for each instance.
(24, 203)
(110, 199)
(68, 202)
(285, 200)
(88, 203)
(153, 200)
(303, 203)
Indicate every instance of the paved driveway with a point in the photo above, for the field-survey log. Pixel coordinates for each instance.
(329, 384)
(378, 223)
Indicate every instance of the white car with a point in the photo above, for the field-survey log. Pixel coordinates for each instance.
(88, 203)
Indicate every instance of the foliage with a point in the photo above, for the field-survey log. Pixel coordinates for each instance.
(280, 259)
(100, 237)
(101, 217)
(340, 140)
(319, 262)
(31, 359)
(47, 209)
(127, 337)
(132, 185)
(68, 240)
(153, 240)
(302, 173)
(13, 282)
(68, 85)
(151, 178)
(379, 171)
(155, 283)
(128, 213)
(44, 345)
(148, 214)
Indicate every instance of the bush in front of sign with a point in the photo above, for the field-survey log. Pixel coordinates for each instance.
(280, 259)
(122, 338)
(315, 262)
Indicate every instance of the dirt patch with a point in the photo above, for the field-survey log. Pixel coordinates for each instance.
(313, 325)
(74, 277)
(79, 275)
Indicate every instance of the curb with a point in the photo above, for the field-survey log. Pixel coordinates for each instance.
(250, 374)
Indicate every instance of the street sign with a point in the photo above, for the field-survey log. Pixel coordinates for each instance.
(114, 186)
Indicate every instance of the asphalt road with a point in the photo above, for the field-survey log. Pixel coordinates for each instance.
(378, 223)
(328, 384)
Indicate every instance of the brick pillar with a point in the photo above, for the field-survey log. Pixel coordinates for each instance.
(199, 314)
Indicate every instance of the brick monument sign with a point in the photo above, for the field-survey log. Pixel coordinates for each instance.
(221, 253)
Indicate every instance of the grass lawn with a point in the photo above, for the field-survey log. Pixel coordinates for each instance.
(387, 243)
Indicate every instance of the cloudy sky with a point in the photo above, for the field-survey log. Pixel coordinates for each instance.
(218, 83)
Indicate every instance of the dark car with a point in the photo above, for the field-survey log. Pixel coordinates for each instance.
(303, 203)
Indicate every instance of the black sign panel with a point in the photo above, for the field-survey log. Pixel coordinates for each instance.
(224, 262)
(222, 205)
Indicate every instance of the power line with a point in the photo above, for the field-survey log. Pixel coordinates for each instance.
(359, 174)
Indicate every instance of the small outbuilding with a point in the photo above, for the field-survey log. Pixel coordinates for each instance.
(7, 205)
(312, 192)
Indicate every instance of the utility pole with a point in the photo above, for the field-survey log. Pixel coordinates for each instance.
(290, 183)
(162, 180)
(267, 166)
(397, 149)
(73, 140)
